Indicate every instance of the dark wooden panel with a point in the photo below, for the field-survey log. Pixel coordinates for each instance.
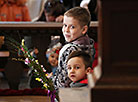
(117, 40)
(115, 94)
(118, 32)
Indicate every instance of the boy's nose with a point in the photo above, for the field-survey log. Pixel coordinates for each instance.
(72, 70)
(67, 29)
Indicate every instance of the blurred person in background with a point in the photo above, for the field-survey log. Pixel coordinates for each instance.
(53, 11)
(14, 10)
(91, 5)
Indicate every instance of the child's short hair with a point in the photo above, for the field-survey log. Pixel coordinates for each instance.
(87, 59)
(81, 14)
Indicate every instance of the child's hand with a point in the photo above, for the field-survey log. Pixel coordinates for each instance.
(49, 75)
(36, 51)
(59, 18)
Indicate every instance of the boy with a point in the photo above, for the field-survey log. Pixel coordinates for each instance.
(75, 25)
(79, 64)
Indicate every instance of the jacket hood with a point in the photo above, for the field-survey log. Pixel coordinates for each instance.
(83, 40)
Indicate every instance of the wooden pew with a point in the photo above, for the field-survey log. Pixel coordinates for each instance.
(24, 99)
(4, 53)
(39, 32)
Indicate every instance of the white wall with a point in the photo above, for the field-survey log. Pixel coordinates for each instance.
(35, 6)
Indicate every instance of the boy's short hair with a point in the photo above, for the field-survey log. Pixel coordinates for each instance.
(87, 59)
(81, 14)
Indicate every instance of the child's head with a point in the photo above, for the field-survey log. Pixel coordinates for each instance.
(53, 9)
(52, 55)
(52, 52)
(75, 23)
(79, 64)
(53, 58)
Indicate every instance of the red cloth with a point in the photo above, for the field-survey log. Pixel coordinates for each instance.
(85, 81)
(34, 91)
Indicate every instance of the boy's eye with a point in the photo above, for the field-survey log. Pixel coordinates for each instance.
(77, 67)
(72, 27)
(64, 25)
(69, 68)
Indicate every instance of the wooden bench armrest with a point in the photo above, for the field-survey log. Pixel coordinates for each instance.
(4, 53)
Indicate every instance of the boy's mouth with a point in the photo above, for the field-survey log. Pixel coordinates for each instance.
(72, 76)
(67, 36)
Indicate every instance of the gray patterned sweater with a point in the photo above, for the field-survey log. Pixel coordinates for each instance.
(60, 79)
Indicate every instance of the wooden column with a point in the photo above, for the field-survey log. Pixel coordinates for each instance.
(117, 39)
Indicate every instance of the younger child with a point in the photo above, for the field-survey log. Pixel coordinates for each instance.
(79, 64)
(52, 53)
(75, 25)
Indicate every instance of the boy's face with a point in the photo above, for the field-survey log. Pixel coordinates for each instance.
(76, 69)
(72, 29)
(53, 59)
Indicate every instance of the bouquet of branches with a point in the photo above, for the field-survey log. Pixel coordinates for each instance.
(38, 69)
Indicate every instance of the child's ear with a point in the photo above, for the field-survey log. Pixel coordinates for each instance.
(84, 30)
(88, 70)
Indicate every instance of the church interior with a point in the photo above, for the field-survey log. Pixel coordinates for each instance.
(114, 78)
